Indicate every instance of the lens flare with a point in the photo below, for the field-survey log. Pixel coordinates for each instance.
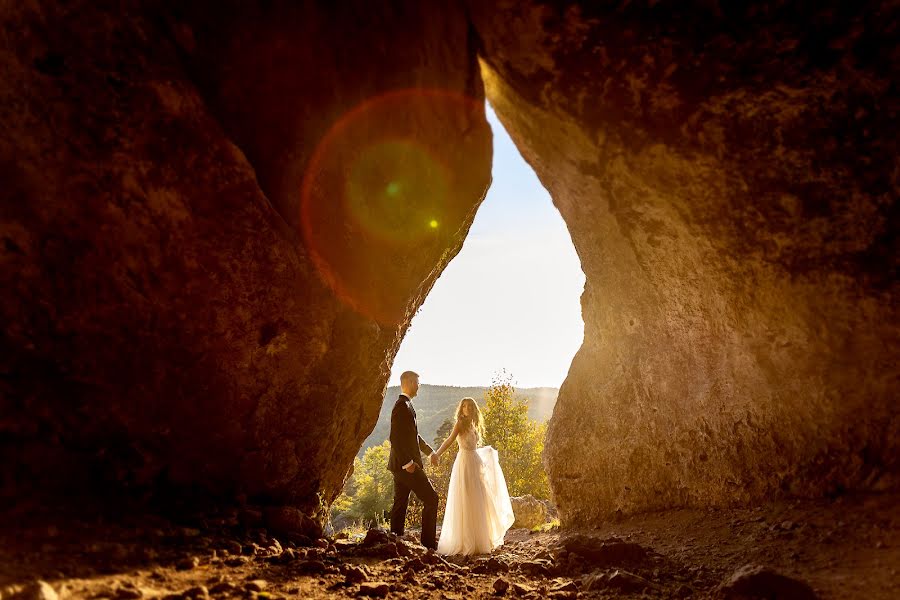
(392, 187)
(383, 186)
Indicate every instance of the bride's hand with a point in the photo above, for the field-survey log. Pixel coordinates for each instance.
(434, 459)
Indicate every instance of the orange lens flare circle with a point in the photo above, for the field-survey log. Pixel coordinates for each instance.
(379, 187)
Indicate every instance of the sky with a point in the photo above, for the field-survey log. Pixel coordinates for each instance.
(511, 297)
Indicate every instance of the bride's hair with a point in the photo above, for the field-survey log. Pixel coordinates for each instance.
(474, 419)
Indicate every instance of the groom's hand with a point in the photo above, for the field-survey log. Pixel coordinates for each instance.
(410, 468)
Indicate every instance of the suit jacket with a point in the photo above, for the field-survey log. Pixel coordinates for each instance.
(406, 443)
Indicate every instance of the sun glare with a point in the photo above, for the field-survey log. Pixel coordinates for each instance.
(511, 298)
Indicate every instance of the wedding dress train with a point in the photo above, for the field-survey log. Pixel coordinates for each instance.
(478, 511)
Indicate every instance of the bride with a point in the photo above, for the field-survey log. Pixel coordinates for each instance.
(478, 511)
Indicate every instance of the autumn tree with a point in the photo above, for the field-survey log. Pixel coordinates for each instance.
(519, 441)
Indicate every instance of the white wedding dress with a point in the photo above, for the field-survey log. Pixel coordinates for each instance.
(478, 509)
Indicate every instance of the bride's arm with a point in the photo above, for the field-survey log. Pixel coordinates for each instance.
(449, 440)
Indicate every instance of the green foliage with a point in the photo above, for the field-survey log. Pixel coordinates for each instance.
(344, 502)
(545, 527)
(518, 440)
(443, 432)
(370, 490)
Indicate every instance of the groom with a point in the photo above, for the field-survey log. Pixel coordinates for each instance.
(405, 463)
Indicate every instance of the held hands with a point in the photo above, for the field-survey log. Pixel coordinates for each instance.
(435, 460)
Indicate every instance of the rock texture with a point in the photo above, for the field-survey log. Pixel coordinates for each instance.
(529, 511)
(219, 217)
(755, 581)
(728, 174)
(168, 318)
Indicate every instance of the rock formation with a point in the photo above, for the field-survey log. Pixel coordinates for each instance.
(728, 175)
(219, 217)
(529, 511)
(169, 317)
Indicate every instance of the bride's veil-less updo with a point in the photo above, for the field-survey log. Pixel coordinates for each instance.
(474, 420)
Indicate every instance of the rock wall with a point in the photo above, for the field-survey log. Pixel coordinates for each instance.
(213, 233)
(219, 217)
(728, 173)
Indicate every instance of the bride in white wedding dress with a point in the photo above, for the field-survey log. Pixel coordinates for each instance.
(478, 511)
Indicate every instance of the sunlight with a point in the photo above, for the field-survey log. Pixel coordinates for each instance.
(511, 298)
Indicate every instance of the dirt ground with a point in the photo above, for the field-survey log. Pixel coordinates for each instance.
(843, 548)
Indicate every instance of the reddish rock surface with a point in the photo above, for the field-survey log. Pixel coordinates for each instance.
(167, 320)
(219, 217)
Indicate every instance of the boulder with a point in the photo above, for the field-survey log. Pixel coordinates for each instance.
(500, 586)
(529, 511)
(374, 589)
(757, 581)
(604, 552)
(34, 590)
(618, 580)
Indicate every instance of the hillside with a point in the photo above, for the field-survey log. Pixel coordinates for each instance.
(435, 403)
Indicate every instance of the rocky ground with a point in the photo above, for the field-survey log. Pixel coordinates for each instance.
(845, 548)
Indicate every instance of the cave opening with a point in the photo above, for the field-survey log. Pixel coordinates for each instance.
(206, 288)
(510, 299)
(501, 325)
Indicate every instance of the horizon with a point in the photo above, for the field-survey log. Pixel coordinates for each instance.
(446, 385)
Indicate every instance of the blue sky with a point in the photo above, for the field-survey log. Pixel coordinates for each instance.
(510, 299)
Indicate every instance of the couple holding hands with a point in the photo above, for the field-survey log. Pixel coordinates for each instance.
(478, 511)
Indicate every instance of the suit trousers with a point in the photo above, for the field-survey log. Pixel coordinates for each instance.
(418, 483)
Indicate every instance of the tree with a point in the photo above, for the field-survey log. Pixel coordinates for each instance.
(519, 441)
(369, 492)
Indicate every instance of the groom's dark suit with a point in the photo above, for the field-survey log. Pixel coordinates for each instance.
(407, 446)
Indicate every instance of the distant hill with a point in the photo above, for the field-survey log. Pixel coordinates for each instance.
(435, 403)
